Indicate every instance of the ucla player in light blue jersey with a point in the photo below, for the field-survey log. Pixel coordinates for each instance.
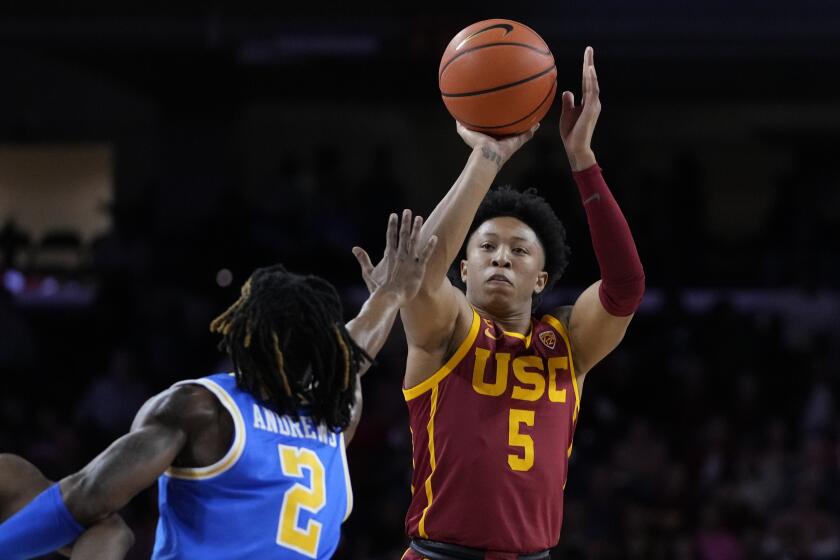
(249, 464)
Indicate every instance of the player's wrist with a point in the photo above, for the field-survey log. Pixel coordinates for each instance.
(487, 159)
(387, 296)
(580, 160)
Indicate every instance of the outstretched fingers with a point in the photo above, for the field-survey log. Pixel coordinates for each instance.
(584, 75)
(592, 89)
(427, 251)
(592, 105)
(415, 235)
(405, 232)
(568, 102)
(589, 82)
(391, 235)
(366, 266)
(364, 261)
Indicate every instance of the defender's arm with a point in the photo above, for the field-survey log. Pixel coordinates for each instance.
(21, 482)
(401, 273)
(60, 514)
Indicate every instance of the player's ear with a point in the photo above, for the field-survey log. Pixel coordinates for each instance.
(464, 271)
(542, 280)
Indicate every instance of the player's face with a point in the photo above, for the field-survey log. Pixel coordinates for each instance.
(504, 266)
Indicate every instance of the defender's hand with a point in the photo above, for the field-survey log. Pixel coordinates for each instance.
(401, 270)
(578, 123)
(497, 151)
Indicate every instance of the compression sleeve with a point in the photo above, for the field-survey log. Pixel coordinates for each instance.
(622, 275)
(41, 527)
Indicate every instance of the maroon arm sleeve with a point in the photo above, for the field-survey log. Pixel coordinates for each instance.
(622, 275)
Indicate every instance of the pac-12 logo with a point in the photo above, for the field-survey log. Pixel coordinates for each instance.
(548, 338)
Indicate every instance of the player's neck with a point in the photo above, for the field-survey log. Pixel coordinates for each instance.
(517, 321)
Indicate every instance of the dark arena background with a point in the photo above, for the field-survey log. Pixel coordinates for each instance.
(150, 161)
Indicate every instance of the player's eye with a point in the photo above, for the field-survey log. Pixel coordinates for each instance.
(520, 251)
(487, 246)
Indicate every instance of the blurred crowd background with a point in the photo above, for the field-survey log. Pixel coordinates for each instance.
(149, 162)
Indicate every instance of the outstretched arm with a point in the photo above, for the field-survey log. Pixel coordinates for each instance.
(61, 513)
(430, 318)
(600, 316)
(21, 482)
(401, 273)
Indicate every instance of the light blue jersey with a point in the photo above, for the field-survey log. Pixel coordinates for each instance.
(281, 491)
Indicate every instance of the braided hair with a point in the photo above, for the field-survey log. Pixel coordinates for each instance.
(286, 337)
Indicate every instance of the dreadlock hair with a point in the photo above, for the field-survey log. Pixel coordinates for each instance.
(533, 210)
(286, 337)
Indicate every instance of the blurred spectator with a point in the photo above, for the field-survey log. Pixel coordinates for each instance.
(113, 398)
(12, 240)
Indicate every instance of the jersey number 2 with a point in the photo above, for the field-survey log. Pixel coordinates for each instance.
(312, 498)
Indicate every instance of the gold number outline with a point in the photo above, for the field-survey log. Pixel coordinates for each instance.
(518, 439)
(312, 498)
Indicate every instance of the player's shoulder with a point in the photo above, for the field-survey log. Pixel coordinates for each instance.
(560, 315)
(188, 405)
(434, 323)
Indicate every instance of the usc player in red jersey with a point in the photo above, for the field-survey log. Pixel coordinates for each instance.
(493, 392)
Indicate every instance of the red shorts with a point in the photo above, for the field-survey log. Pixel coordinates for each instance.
(412, 554)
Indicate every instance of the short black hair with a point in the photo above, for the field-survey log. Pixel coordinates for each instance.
(531, 209)
(286, 337)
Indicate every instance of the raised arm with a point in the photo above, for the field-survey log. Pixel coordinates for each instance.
(400, 274)
(430, 318)
(61, 513)
(600, 316)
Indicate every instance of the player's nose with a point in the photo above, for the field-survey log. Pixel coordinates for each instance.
(501, 258)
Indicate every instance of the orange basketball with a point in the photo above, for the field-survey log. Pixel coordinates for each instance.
(498, 77)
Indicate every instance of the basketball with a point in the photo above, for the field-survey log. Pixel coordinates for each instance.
(497, 77)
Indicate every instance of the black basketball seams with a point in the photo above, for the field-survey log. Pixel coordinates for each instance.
(501, 87)
(545, 52)
(551, 90)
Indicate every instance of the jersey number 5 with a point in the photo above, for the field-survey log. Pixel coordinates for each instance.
(525, 461)
(312, 498)
(516, 438)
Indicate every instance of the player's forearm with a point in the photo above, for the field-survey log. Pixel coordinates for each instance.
(371, 327)
(355, 413)
(582, 159)
(451, 218)
(109, 539)
(622, 275)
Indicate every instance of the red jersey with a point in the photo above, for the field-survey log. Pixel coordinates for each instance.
(492, 435)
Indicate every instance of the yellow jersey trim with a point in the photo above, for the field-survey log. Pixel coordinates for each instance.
(349, 486)
(561, 329)
(232, 456)
(430, 428)
(520, 336)
(446, 368)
